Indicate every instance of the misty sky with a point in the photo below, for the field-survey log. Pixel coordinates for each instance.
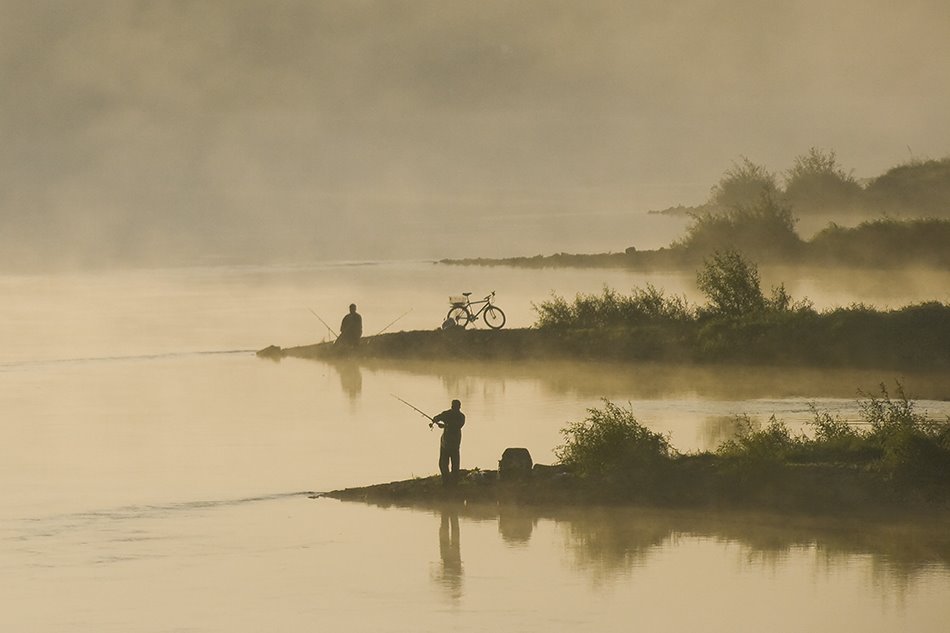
(237, 129)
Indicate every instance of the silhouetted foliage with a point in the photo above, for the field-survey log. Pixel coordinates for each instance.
(919, 188)
(912, 446)
(610, 308)
(742, 185)
(760, 448)
(763, 229)
(741, 324)
(731, 284)
(818, 184)
(894, 456)
(885, 242)
(892, 437)
(610, 444)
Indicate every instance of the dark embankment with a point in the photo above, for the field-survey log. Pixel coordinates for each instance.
(509, 344)
(898, 461)
(915, 337)
(740, 323)
(698, 481)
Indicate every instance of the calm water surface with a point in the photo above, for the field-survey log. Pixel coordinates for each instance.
(153, 471)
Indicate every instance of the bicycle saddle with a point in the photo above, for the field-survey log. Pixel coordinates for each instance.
(465, 294)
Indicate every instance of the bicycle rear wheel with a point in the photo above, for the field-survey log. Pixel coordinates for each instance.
(458, 315)
(494, 317)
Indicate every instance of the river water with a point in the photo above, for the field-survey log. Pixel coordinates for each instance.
(154, 473)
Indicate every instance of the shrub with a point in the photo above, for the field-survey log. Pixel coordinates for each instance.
(742, 185)
(884, 242)
(763, 227)
(611, 444)
(772, 444)
(918, 187)
(554, 313)
(894, 437)
(836, 441)
(885, 414)
(816, 183)
(731, 284)
(611, 309)
(912, 445)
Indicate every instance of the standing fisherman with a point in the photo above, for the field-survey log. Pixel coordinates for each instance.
(451, 422)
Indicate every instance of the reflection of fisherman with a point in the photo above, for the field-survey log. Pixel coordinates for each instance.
(351, 379)
(450, 552)
(451, 422)
(351, 328)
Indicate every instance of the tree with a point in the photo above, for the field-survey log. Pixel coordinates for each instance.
(610, 443)
(742, 185)
(916, 188)
(765, 229)
(731, 284)
(818, 183)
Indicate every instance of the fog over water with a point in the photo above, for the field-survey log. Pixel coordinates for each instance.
(153, 471)
(187, 181)
(296, 130)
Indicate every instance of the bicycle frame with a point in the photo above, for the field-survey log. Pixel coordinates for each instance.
(473, 316)
(463, 313)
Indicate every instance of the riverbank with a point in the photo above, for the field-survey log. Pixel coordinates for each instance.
(895, 460)
(913, 338)
(695, 482)
(770, 238)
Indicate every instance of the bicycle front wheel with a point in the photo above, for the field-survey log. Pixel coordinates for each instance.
(458, 315)
(494, 317)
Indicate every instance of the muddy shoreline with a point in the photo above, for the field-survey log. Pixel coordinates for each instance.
(698, 482)
(908, 349)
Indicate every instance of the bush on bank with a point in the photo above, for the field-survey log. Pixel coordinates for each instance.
(894, 454)
(739, 323)
(610, 444)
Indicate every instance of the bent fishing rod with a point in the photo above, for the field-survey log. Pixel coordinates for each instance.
(335, 335)
(411, 406)
(394, 321)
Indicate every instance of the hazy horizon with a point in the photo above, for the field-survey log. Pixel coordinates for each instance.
(297, 131)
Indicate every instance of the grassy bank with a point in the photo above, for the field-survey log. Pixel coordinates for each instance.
(895, 459)
(909, 338)
(740, 324)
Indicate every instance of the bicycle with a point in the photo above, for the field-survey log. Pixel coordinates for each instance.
(461, 313)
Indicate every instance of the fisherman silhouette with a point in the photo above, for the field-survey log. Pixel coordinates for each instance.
(351, 328)
(451, 422)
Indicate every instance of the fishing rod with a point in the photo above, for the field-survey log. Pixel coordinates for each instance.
(335, 335)
(427, 416)
(394, 321)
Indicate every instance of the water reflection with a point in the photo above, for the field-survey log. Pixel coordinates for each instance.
(450, 553)
(516, 524)
(526, 403)
(611, 541)
(653, 380)
(351, 378)
(607, 544)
